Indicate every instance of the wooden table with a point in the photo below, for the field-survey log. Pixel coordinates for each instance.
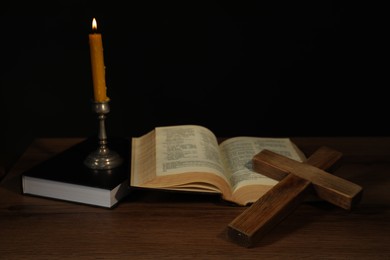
(181, 226)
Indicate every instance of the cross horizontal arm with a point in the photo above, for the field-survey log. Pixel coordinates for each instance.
(331, 188)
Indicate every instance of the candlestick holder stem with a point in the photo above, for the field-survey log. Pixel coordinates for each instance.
(103, 158)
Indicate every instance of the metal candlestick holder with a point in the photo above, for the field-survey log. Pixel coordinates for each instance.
(103, 158)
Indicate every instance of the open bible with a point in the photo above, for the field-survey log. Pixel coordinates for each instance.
(189, 158)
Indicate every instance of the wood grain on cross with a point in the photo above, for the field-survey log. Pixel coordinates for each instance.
(296, 181)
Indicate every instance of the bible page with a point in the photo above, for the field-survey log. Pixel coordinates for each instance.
(238, 152)
(187, 148)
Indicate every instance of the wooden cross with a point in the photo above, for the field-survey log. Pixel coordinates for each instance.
(296, 181)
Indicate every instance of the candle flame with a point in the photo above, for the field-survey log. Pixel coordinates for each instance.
(94, 24)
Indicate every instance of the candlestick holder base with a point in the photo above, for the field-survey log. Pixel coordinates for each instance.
(103, 158)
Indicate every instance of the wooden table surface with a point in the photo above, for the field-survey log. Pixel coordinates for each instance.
(180, 226)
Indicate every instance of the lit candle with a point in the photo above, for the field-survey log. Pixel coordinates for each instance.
(97, 63)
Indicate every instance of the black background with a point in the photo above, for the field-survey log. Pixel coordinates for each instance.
(263, 68)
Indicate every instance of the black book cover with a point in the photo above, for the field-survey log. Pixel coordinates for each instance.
(68, 167)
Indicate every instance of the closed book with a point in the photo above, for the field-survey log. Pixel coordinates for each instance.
(65, 177)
